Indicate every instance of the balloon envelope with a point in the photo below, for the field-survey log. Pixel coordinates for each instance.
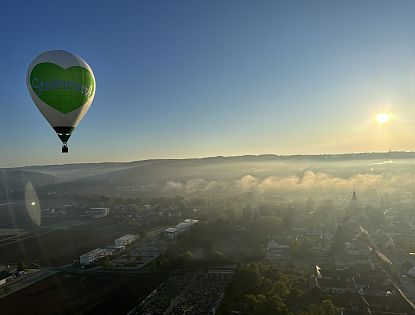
(62, 85)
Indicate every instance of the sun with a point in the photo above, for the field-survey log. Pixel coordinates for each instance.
(382, 118)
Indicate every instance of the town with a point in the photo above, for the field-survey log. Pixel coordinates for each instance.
(355, 258)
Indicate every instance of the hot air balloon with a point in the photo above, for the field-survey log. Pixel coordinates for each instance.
(62, 85)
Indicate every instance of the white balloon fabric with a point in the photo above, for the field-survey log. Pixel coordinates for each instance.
(62, 85)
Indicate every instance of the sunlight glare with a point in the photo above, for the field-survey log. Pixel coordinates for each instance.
(382, 118)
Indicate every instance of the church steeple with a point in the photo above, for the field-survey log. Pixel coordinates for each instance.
(352, 209)
(353, 203)
(354, 196)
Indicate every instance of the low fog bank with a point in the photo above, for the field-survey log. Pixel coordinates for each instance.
(262, 178)
(373, 180)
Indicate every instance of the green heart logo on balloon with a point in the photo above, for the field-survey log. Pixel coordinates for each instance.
(62, 89)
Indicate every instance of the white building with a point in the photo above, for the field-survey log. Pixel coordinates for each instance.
(125, 240)
(183, 227)
(171, 233)
(92, 256)
(119, 248)
(186, 225)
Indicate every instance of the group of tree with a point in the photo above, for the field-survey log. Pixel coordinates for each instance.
(21, 266)
(261, 289)
(197, 247)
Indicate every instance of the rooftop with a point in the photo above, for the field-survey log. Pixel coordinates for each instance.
(94, 252)
(329, 283)
(126, 237)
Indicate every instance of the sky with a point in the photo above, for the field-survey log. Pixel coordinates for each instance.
(182, 79)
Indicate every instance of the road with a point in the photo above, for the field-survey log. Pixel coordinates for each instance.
(25, 238)
(11, 203)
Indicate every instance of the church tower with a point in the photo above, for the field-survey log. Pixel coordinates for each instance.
(353, 203)
(354, 196)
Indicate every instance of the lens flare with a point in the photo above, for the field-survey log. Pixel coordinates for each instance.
(32, 204)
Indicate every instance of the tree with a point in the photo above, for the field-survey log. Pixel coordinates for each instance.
(301, 247)
(259, 289)
(376, 216)
(264, 226)
(104, 262)
(183, 260)
(294, 296)
(142, 234)
(327, 308)
(247, 215)
(21, 266)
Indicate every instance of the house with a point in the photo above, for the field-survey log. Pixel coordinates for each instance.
(334, 281)
(334, 286)
(277, 251)
(331, 274)
(392, 303)
(377, 277)
(377, 289)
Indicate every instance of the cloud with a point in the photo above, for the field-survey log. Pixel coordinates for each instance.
(310, 182)
(194, 186)
(382, 163)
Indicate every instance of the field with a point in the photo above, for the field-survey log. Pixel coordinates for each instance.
(14, 215)
(17, 215)
(81, 294)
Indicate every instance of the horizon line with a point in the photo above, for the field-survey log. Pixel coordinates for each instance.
(213, 157)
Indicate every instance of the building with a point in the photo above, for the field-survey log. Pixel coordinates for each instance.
(332, 274)
(352, 208)
(92, 256)
(97, 213)
(117, 248)
(334, 281)
(111, 250)
(275, 251)
(182, 227)
(354, 196)
(125, 240)
(334, 286)
(171, 233)
(186, 225)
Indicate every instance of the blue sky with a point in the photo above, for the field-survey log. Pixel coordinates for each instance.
(180, 79)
